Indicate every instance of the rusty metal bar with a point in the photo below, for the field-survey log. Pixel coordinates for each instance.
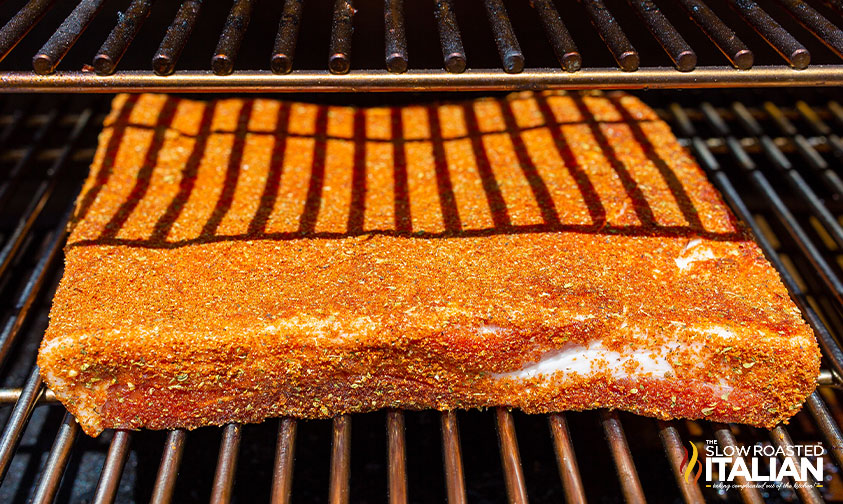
(16, 28)
(723, 37)
(281, 61)
(817, 24)
(112, 471)
(342, 29)
(55, 49)
(172, 45)
(684, 58)
(566, 459)
(396, 38)
(222, 63)
(612, 35)
(510, 458)
(121, 36)
(168, 469)
(226, 464)
(779, 39)
(724, 437)
(509, 50)
(563, 45)
(673, 446)
(453, 53)
(451, 452)
(285, 448)
(781, 438)
(396, 454)
(48, 483)
(340, 460)
(625, 466)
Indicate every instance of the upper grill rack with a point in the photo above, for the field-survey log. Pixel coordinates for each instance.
(690, 43)
(777, 167)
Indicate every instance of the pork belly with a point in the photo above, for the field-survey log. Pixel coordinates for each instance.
(235, 260)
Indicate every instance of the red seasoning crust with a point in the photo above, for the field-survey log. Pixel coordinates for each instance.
(242, 259)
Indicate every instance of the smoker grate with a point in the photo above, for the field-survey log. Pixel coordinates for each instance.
(99, 46)
(776, 160)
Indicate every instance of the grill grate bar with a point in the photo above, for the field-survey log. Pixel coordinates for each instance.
(613, 36)
(566, 459)
(563, 45)
(816, 23)
(112, 471)
(819, 125)
(453, 53)
(396, 456)
(725, 438)
(232, 35)
(32, 390)
(781, 438)
(281, 61)
(396, 38)
(23, 163)
(226, 464)
(342, 28)
(684, 58)
(129, 24)
(738, 54)
(55, 49)
(167, 55)
(674, 449)
(48, 483)
(624, 465)
(452, 453)
(340, 460)
(282, 475)
(16, 29)
(165, 481)
(793, 177)
(509, 50)
(510, 458)
(777, 37)
(806, 150)
(830, 430)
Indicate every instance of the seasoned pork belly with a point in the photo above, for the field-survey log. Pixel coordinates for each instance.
(235, 260)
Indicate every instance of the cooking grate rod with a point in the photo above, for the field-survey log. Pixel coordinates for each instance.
(816, 23)
(672, 442)
(282, 476)
(684, 58)
(510, 458)
(563, 45)
(566, 459)
(52, 52)
(509, 50)
(231, 38)
(725, 438)
(48, 483)
(452, 453)
(226, 464)
(821, 415)
(822, 129)
(781, 438)
(118, 452)
(281, 61)
(396, 457)
(128, 25)
(777, 37)
(622, 456)
(342, 28)
(721, 35)
(165, 481)
(172, 45)
(613, 36)
(453, 53)
(16, 29)
(396, 38)
(340, 460)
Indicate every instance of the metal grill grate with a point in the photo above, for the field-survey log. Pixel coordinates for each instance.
(93, 45)
(776, 161)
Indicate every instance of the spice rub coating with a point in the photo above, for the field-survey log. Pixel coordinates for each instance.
(235, 260)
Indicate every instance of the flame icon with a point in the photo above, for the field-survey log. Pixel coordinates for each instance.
(687, 466)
